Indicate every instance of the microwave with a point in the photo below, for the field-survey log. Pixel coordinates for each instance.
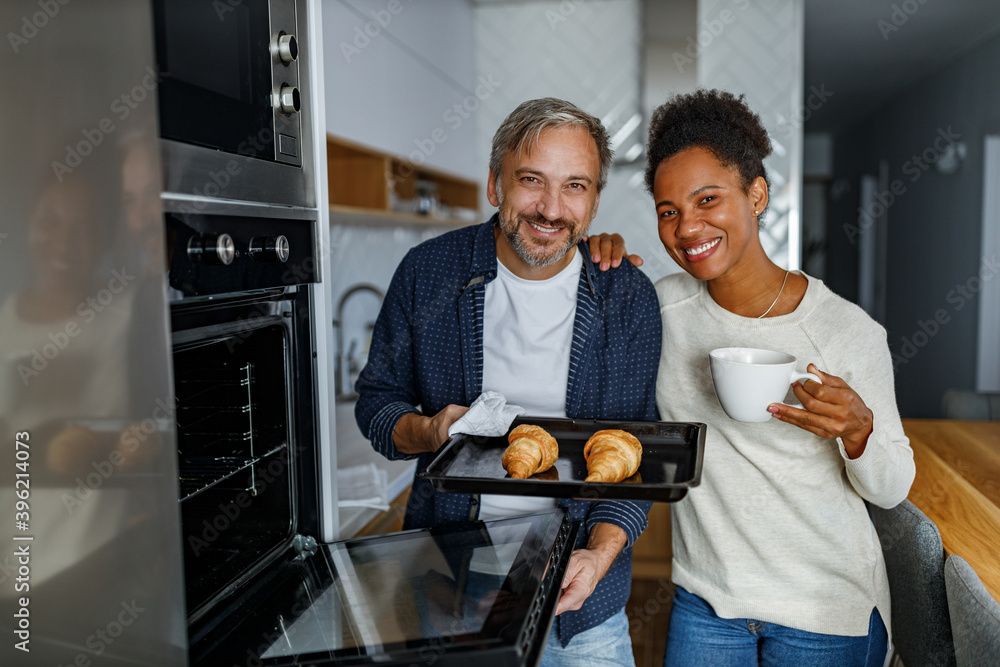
(232, 90)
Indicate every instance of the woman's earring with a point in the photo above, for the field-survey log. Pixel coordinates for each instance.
(756, 212)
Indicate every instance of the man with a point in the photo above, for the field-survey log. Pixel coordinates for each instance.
(512, 306)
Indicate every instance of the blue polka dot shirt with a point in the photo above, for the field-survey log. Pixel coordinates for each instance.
(427, 353)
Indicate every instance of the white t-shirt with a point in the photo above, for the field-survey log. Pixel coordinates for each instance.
(527, 336)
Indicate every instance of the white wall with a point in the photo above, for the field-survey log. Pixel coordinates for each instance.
(755, 48)
(394, 71)
(586, 51)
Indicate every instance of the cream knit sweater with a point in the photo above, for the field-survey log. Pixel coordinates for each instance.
(778, 530)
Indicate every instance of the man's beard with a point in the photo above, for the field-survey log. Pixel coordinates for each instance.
(530, 255)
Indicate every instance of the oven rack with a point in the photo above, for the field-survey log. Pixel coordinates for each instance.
(217, 385)
(200, 473)
(240, 374)
(215, 412)
(191, 416)
(222, 444)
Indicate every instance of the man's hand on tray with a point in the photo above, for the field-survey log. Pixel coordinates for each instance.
(416, 434)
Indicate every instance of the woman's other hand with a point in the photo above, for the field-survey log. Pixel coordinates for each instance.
(608, 250)
(832, 410)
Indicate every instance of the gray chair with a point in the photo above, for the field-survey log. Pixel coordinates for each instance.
(975, 615)
(914, 562)
(975, 405)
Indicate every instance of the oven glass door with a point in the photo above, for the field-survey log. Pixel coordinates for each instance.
(214, 65)
(234, 448)
(482, 590)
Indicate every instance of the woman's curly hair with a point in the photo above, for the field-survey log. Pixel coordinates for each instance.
(711, 119)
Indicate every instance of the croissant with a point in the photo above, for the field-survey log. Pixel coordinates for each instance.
(612, 455)
(531, 450)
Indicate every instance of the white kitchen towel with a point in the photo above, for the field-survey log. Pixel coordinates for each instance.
(363, 486)
(488, 415)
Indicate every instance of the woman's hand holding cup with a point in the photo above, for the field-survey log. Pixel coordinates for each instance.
(829, 410)
(748, 380)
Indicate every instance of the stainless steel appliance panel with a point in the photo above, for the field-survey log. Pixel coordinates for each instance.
(90, 550)
(229, 76)
(234, 109)
(202, 172)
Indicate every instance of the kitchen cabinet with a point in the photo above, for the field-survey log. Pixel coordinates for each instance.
(651, 553)
(368, 186)
(648, 607)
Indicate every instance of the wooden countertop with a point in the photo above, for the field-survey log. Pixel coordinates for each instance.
(957, 485)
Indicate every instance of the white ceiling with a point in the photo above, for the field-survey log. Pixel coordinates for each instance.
(864, 63)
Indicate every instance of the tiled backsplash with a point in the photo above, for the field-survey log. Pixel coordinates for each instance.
(367, 255)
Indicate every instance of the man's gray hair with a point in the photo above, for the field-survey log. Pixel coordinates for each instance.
(523, 126)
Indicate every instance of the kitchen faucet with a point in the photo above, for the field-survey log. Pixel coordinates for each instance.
(341, 393)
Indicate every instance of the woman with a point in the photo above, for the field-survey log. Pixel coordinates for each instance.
(775, 558)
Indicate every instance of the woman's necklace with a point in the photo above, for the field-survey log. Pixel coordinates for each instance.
(777, 297)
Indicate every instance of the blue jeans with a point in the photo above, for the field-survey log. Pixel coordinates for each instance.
(606, 644)
(697, 636)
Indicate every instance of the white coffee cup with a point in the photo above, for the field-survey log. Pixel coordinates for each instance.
(748, 379)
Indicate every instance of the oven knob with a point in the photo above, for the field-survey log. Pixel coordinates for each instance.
(285, 48)
(269, 248)
(287, 100)
(212, 249)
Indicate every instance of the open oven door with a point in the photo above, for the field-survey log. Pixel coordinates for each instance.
(483, 591)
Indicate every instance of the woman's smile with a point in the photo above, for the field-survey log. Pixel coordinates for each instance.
(696, 253)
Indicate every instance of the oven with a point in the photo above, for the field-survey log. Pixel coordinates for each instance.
(232, 103)
(242, 277)
(261, 588)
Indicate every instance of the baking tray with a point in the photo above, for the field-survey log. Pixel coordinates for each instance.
(671, 462)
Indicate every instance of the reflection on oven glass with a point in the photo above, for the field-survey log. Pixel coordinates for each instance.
(81, 327)
(70, 360)
(425, 588)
